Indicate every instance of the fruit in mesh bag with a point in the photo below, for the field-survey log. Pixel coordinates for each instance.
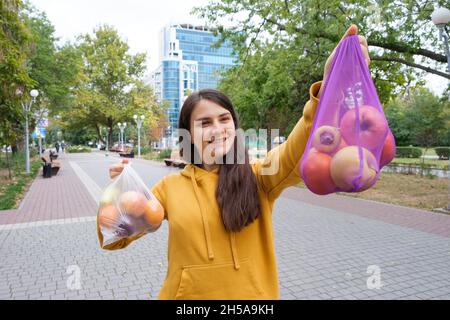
(372, 127)
(154, 212)
(326, 138)
(345, 169)
(108, 216)
(316, 172)
(388, 152)
(133, 203)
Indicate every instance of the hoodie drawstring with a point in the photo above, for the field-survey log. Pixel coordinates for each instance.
(234, 250)
(204, 218)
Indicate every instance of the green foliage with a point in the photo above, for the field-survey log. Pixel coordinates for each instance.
(408, 152)
(12, 190)
(282, 47)
(163, 154)
(443, 152)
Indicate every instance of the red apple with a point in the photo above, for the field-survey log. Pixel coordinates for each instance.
(372, 127)
(389, 149)
(133, 203)
(315, 170)
(345, 169)
(326, 139)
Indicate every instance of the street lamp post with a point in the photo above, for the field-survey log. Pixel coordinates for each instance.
(26, 106)
(122, 127)
(139, 121)
(441, 17)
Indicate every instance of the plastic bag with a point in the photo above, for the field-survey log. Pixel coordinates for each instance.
(350, 139)
(127, 209)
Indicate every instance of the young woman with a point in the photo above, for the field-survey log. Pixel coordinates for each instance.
(221, 242)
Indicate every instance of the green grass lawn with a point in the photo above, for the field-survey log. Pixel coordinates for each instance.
(13, 190)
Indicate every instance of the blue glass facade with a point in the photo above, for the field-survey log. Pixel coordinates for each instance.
(189, 63)
(196, 45)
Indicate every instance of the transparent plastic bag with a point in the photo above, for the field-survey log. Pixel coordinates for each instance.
(350, 139)
(127, 209)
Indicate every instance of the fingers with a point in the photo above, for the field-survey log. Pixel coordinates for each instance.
(363, 40)
(115, 170)
(125, 161)
(113, 174)
(352, 30)
(365, 52)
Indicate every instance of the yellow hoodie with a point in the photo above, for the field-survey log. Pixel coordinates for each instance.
(204, 260)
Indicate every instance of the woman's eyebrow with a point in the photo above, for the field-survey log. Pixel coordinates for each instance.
(208, 118)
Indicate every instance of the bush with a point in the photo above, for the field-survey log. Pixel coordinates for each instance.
(165, 153)
(408, 152)
(443, 152)
(78, 149)
(144, 150)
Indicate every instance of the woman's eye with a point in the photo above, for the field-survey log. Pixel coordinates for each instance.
(226, 119)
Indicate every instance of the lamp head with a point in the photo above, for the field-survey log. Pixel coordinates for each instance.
(34, 93)
(440, 16)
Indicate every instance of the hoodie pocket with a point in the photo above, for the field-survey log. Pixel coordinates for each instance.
(219, 281)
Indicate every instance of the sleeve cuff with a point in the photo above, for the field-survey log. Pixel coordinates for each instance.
(314, 91)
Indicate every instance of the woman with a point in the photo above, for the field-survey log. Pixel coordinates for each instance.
(221, 242)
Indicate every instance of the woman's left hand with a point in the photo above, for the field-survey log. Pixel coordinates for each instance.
(352, 30)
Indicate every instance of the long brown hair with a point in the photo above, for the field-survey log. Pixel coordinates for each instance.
(237, 189)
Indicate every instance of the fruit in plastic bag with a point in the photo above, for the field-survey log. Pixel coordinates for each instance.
(127, 209)
(345, 169)
(108, 216)
(154, 213)
(133, 203)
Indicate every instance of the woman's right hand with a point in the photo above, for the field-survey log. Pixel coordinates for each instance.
(116, 169)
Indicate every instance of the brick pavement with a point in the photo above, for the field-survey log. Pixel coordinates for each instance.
(61, 197)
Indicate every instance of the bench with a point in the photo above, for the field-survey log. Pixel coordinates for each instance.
(50, 164)
(127, 152)
(175, 160)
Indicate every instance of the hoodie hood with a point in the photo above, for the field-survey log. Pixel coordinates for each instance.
(197, 174)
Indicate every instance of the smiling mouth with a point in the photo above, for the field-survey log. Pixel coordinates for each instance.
(217, 141)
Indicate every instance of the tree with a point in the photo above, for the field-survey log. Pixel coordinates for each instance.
(397, 31)
(282, 46)
(110, 87)
(14, 47)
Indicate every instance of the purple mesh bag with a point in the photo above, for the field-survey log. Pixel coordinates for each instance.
(350, 139)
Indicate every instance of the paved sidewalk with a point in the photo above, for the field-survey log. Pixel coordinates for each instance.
(61, 197)
(327, 247)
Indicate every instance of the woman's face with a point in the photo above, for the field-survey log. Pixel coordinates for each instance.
(212, 130)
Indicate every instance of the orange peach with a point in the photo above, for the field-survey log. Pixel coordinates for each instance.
(133, 203)
(154, 212)
(108, 216)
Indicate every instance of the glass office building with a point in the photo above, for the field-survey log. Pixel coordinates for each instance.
(188, 63)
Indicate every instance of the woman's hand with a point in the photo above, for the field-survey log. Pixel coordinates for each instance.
(116, 169)
(352, 30)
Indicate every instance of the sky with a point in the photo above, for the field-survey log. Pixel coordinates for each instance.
(137, 21)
